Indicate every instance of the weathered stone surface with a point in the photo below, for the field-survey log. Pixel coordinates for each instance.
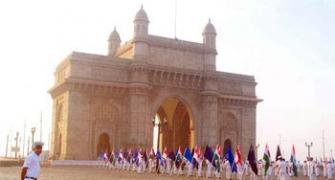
(110, 100)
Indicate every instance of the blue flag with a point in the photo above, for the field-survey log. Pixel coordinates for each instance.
(188, 155)
(159, 157)
(230, 157)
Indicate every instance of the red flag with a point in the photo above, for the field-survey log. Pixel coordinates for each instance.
(238, 156)
(165, 153)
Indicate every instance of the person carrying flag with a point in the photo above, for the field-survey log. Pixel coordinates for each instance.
(239, 163)
(208, 155)
(141, 162)
(170, 162)
(188, 161)
(252, 162)
(197, 156)
(216, 161)
(152, 159)
(230, 164)
(266, 159)
(167, 161)
(293, 161)
(158, 161)
(178, 162)
(329, 170)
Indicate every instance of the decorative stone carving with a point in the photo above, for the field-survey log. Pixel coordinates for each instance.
(109, 101)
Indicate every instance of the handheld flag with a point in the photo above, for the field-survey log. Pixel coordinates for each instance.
(252, 159)
(294, 162)
(172, 156)
(179, 156)
(238, 156)
(266, 158)
(208, 154)
(230, 157)
(278, 153)
(196, 157)
(216, 158)
(188, 155)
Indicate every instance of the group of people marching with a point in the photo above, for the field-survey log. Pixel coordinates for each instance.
(215, 163)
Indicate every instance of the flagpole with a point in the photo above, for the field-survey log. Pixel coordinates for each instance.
(24, 138)
(175, 19)
(41, 126)
(323, 144)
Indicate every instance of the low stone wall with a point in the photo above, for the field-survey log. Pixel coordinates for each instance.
(74, 163)
(10, 162)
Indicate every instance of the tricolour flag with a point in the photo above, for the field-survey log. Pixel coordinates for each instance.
(216, 158)
(294, 162)
(266, 158)
(179, 157)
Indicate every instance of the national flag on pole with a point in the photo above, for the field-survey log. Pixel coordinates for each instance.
(172, 156)
(252, 160)
(230, 157)
(196, 157)
(188, 155)
(238, 156)
(208, 154)
(266, 158)
(179, 157)
(294, 162)
(158, 155)
(165, 153)
(145, 156)
(152, 154)
(238, 159)
(278, 153)
(216, 158)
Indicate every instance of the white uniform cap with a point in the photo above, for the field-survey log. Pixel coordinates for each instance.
(38, 143)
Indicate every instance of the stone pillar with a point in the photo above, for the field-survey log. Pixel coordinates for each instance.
(209, 119)
(248, 130)
(53, 130)
(76, 141)
(140, 122)
(59, 124)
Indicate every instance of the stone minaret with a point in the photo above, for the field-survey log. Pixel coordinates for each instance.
(114, 42)
(209, 41)
(141, 24)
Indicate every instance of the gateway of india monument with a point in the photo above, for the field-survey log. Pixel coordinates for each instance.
(145, 85)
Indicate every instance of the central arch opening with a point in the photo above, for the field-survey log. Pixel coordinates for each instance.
(173, 125)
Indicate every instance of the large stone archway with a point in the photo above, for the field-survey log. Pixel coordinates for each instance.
(176, 123)
(121, 93)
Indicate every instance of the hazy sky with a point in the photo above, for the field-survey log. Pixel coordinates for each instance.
(289, 46)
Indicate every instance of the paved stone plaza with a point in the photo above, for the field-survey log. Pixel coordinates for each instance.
(86, 173)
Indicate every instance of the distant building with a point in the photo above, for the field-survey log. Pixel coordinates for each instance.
(105, 102)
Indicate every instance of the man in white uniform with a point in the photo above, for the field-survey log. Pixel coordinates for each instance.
(329, 168)
(282, 169)
(31, 167)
